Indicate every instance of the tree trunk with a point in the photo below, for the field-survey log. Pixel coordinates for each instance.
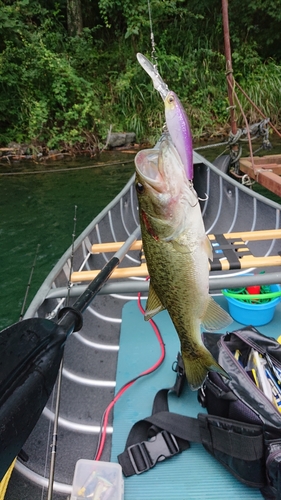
(74, 17)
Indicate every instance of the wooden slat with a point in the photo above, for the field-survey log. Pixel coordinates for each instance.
(270, 234)
(263, 160)
(113, 246)
(120, 272)
(245, 163)
(270, 180)
(141, 271)
(250, 261)
(271, 260)
(246, 261)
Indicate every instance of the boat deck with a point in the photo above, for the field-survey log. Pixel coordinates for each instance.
(193, 474)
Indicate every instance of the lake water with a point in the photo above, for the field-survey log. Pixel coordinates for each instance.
(38, 208)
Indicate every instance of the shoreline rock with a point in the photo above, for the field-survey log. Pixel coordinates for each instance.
(16, 152)
(120, 139)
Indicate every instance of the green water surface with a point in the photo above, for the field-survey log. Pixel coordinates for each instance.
(39, 209)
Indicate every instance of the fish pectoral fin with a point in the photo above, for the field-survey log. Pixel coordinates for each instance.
(215, 317)
(153, 304)
(208, 248)
(183, 247)
(179, 247)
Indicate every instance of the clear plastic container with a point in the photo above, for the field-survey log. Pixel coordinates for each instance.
(97, 480)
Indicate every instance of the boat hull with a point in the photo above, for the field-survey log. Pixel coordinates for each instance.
(91, 355)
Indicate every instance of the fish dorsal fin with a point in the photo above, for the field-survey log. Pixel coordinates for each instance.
(208, 248)
(215, 317)
(153, 304)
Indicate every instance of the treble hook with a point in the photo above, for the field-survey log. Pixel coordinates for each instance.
(203, 199)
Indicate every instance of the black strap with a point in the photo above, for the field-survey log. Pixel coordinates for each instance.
(147, 442)
(164, 434)
(228, 249)
(150, 439)
(175, 432)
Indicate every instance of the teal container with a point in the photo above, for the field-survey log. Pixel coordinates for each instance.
(253, 314)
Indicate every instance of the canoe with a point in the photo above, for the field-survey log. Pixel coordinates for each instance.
(115, 345)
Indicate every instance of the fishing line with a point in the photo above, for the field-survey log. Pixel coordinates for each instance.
(153, 45)
(104, 420)
(69, 285)
(57, 171)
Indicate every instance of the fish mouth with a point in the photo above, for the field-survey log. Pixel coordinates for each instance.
(147, 167)
(161, 168)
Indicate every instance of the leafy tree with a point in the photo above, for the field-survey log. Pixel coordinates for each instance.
(68, 68)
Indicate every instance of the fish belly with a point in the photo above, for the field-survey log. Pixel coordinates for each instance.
(181, 282)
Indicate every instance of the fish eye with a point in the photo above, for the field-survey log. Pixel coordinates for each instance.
(171, 98)
(139, 187)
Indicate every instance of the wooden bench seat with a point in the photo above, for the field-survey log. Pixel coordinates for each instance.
(230, 252)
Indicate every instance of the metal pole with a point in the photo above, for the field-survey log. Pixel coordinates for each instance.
(59, 383)
(55, 437)
(229, 70)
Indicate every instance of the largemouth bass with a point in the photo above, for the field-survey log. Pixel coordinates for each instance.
(177, 252)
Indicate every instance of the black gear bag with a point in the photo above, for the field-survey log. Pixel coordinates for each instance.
(242, 429)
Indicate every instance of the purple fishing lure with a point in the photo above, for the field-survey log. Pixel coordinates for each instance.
(179, 130)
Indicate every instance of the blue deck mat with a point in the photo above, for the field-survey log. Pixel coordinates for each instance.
(193, 474)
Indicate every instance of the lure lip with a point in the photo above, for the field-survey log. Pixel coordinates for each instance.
(153, 72)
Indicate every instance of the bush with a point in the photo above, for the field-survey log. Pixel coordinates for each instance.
(59, 90)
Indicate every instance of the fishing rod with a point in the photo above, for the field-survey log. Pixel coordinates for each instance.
(31, 354)
(29, 283)
(59, 382)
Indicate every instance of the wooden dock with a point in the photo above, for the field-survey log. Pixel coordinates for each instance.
(266, 170)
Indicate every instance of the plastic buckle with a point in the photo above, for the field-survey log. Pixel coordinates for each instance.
(145, 455)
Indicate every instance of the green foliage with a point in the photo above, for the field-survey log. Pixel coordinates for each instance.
(263, 88)
(53, 104)
(59, 89)
(46, 99)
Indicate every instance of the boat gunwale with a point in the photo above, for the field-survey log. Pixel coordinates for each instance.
(232, 181)
(47, 283)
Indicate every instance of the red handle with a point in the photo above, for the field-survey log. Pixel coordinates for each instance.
(254, 289)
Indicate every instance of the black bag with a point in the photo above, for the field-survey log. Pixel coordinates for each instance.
(242, 429)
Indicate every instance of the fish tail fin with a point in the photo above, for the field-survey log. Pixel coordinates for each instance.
(196, 369)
